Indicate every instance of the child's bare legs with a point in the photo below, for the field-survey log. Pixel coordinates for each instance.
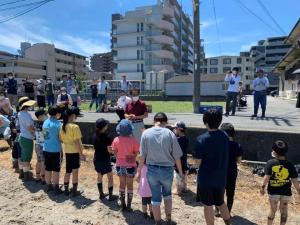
(48, 177)
(168, 208)
(144, 209)
(209, 215)
(272, 212)
(224, 212)
(122, 189)
(283, 212)
(129, 184)
(55, 178)
(184, 183)
(38, 170)
(75, 174)
(110, 178)
(42, 171)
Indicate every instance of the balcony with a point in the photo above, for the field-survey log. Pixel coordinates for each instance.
(168, 11)
(161, 39)
(168, 68)
(118, 59)
(160, 52)
(161, 24)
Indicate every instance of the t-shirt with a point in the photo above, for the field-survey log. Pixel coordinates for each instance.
(281, 172)
(94, 90)
(261, 84)
(25, 121)
(28, 87)
(159, 146)
(69, 137)
(125, 148)
(233, 82)
(235, 151)
(184, 144)
(102, 88)
(49, 89)
(213, 149)
(39, 136)
(101, 142)
(136, 108)
(123, 101)
(51, 129)
(12, 86)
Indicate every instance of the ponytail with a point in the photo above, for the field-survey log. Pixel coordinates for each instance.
(65, 118)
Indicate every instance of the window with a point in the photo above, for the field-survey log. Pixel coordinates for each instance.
(138, 54)
(138, 67)
(142, 67)
(142, 54)
(137, 40)
(142, 40)
(137, 27)
(213, 61)
(213, 70)
(239, 60)
(226, 69)
(205, 70)
(247, 77)
(247, 68)
(247, 59)
(247, 87)
(227, 61)
(142, 26)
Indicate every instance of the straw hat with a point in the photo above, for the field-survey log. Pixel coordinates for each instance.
(25, 101)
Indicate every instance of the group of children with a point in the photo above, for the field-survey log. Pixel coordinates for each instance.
(54, 138)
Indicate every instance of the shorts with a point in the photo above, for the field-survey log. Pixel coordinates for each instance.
(124, 171)
(160, 180)
(26, 149)
(102, 167)
(146, 200)
(52, 161)
(39, 153)
(210, 196)
(72, 162)
(280, 198)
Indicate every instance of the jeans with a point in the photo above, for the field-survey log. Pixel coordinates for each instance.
(50, 100)
(260, 97)
(160, 180)
(231, 96)
(101, 99)
(94, 100)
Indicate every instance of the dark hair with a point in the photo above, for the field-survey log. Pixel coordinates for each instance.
(228, 128)
(66, 115)
(213, 118)
(10, 73)
(280, 147)
(39, 112)
(135, 89)
(53, 110)
(103, 77)
(161, 117)
(236, 69)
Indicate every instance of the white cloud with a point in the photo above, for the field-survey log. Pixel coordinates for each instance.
(247, 47)
(36, 30)
(209, 23)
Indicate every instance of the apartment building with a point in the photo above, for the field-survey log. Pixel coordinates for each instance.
(222, 64)
(102, 62)
(267, 53)
(152, 39)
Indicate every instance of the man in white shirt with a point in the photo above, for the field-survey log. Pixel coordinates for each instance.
(233, 79)
(103, 88)
(121, 105)
(125, 85)
(260, 85)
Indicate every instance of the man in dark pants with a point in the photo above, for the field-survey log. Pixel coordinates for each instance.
(233, 79)
(260, 84)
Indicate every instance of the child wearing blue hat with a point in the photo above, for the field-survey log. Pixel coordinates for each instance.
(126, 148)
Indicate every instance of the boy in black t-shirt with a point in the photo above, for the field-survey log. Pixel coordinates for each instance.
(235, 156)
(212, 150)
(280, 174)
(102, 145)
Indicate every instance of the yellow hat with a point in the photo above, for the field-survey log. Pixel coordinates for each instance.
(25, 101)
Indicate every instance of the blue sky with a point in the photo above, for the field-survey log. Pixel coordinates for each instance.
(83, 26)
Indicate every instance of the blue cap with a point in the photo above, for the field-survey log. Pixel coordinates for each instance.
(125, 128)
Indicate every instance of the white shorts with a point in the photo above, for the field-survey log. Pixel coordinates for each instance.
(280, 198)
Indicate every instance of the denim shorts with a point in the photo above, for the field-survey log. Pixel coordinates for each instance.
(124, 171)
(160, 180)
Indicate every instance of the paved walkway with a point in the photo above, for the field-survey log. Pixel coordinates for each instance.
(282, 116)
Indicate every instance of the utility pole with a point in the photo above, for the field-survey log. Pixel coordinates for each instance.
(196, 79)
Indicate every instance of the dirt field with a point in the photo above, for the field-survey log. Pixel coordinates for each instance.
(28, 204)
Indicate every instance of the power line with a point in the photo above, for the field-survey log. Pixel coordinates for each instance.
(217, 26)
(9, 3)
(255, 15)
(21, 6)
(270, 15)
(25, 11)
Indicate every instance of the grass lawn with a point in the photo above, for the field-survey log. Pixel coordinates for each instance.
(167, 106)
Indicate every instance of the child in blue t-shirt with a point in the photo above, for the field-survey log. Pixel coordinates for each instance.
(52, 149)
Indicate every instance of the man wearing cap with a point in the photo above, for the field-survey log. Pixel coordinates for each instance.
(233, 78)
(26, 136)
(136, 111)
(12, 89)
(260, 85)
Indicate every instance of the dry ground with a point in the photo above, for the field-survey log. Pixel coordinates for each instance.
(28, 204)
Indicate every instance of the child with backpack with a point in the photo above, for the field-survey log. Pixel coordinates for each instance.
(280, 174)
(126, 148)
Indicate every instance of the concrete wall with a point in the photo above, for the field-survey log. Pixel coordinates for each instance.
(256, 144)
